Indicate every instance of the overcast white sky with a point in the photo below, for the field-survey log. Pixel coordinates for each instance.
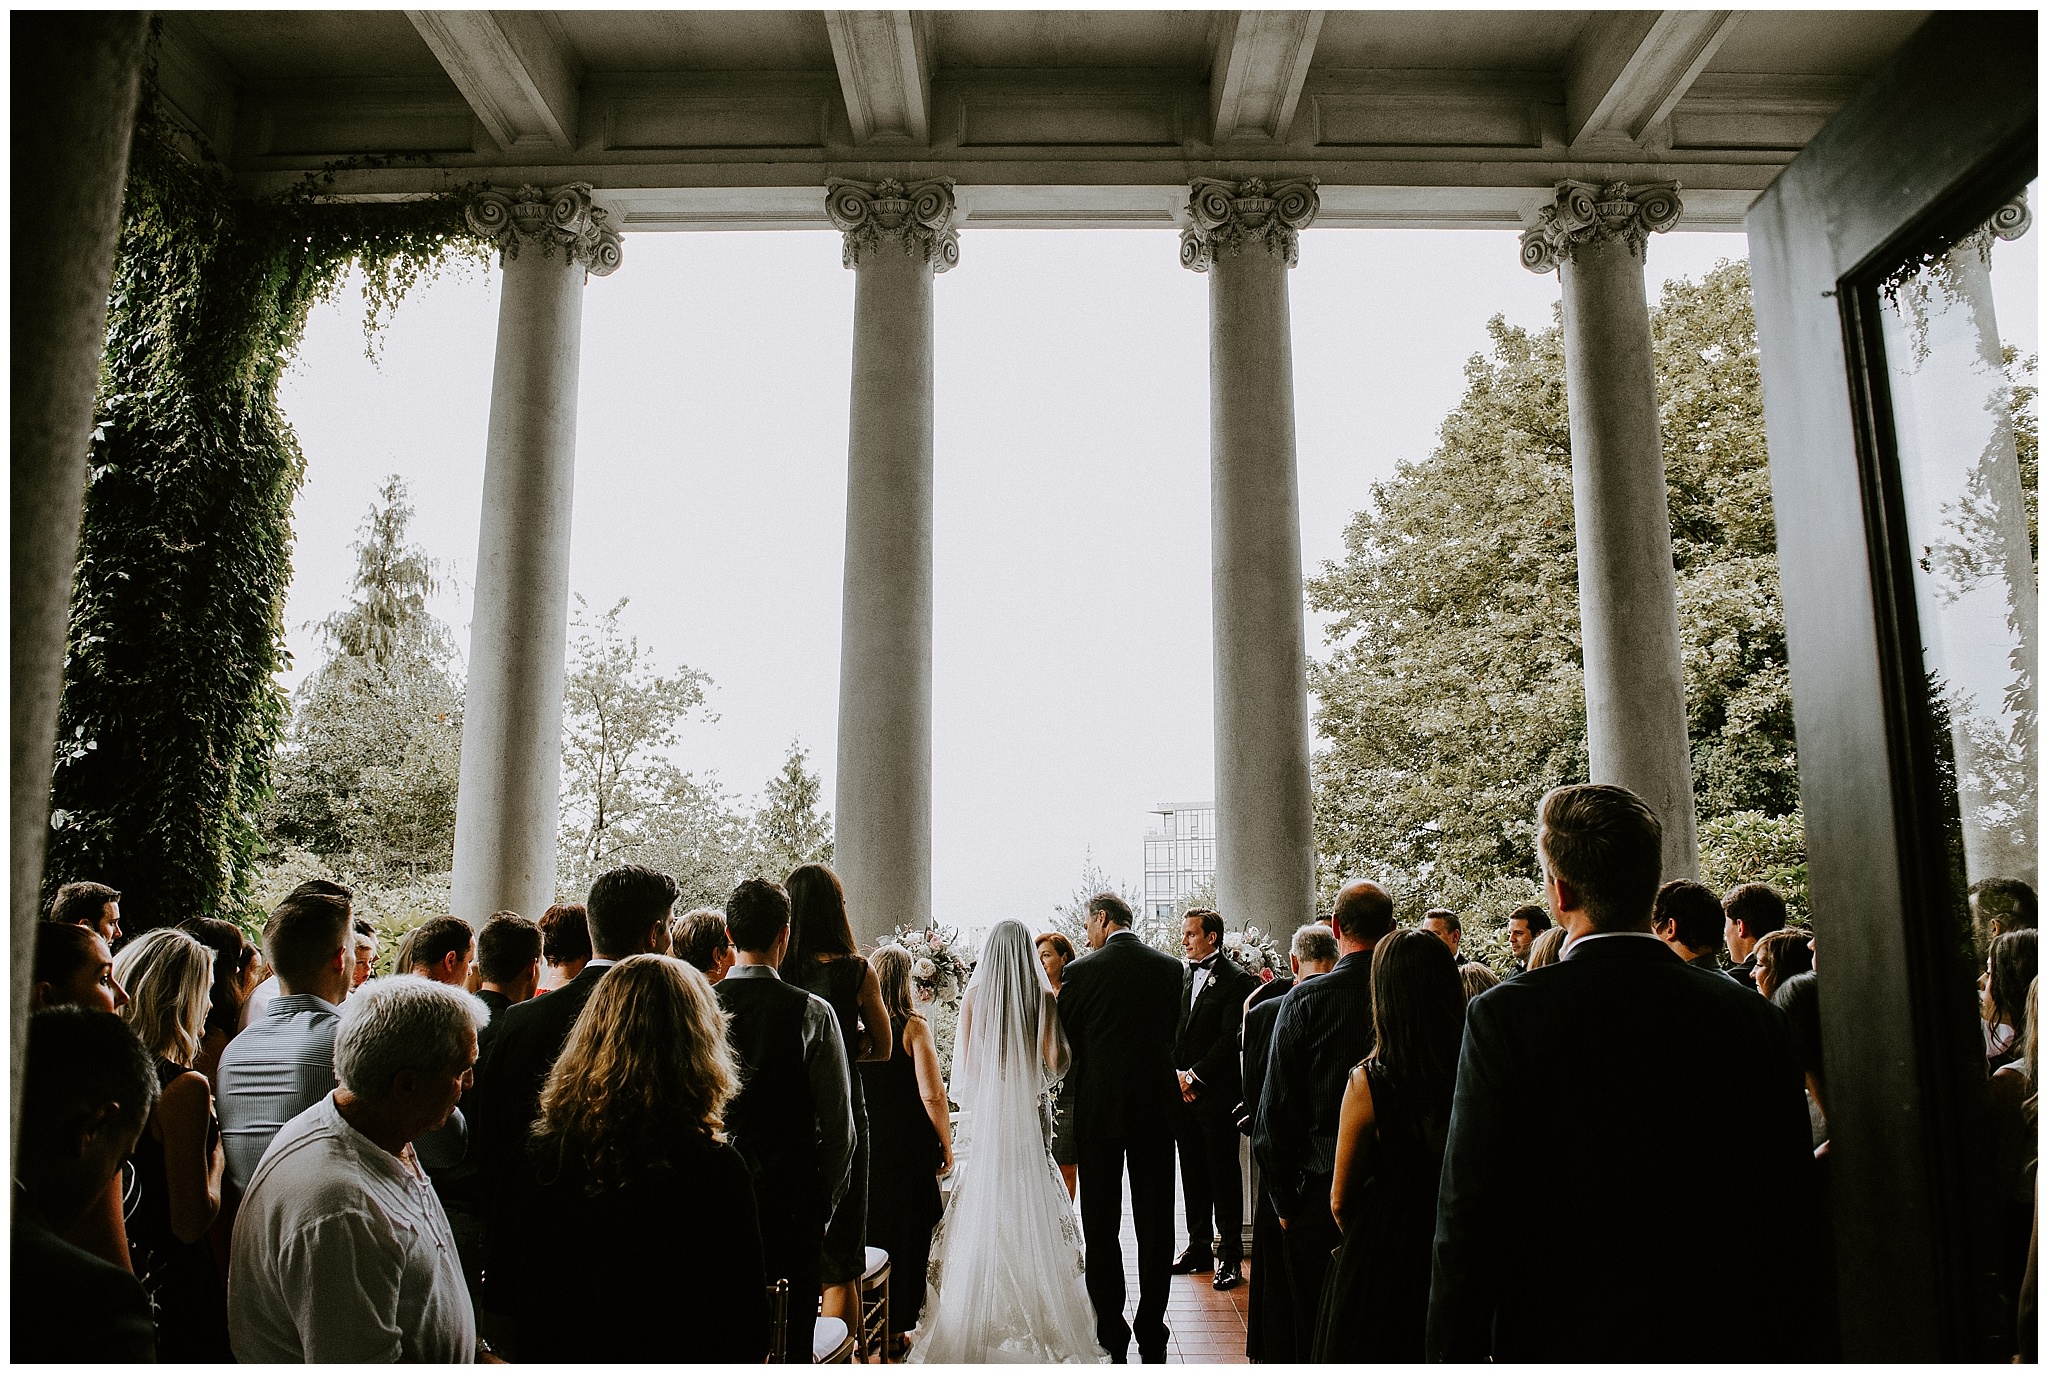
(1072, 662)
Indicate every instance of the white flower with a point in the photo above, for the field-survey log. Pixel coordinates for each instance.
(1251, 930)
(1232, 940)
(923, 968)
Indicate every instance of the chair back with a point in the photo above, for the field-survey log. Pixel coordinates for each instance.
(778, 1322)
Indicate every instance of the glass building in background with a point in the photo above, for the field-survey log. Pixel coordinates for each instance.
(1180, 856)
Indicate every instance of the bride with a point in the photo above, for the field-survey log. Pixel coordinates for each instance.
(1005, 1269)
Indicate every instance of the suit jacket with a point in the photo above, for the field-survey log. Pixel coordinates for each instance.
(1261, 1011)
(1206, 1038)
(1323, 1029)
(1598, 1099)
(519, 1047)
(1119, 1007)
(71, 1307)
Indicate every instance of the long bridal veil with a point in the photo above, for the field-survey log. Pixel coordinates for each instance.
(1006, 1263)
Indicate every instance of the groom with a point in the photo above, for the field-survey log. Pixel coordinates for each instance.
(1119, 1007)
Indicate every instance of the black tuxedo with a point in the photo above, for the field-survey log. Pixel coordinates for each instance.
(1211, 1180)
(1608, 1092)
(1119, 1007)
(1269, 1311)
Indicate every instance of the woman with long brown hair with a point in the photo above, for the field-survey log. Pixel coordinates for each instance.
(631, 1193)
(822, 960)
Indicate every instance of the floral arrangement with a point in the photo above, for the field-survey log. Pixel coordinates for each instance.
(1255, 951)
(939, 967)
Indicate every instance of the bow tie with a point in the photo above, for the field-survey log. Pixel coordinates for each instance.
(1209, 962)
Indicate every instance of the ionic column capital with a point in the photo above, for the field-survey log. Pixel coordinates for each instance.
(1587, 212)
(918, 218)
(562, 217)
(2012, 221)
(1225, 215)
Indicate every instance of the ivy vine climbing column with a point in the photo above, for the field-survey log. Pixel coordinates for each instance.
(506, 810)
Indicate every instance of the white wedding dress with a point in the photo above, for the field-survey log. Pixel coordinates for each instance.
(1005, 1280)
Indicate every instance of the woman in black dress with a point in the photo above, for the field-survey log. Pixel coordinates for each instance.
(911, 1138)
(1390, 1156)
(632, 1201)
(822, 960)
(178, 1160)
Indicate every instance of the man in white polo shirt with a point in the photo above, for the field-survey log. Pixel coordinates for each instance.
(342, 1253)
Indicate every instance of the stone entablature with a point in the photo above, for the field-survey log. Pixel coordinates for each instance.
(559, 217)
(1225, 216)
(1585, 212)
(918, 218)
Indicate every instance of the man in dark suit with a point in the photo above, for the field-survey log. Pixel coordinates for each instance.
(628, 914)
(1643, 1079)
(1324, 1028)
(1269, 1309)
(1119, 1007)
(1212, 998)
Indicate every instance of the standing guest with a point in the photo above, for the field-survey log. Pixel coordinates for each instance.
(2008, 973)
(1781, 955)
(2014, 1146)
(911, 1133)
(792, 1120)
(1119, 1007)
(702, 942)
(440, 948)
(1269, 1306)
(87, 1091)
(178, 1161)
(1055, 952)
(1749, 913)
(1688, 917)
(92, 905)
(235, 969)
(1548, 946)
(1390, 1156)
(283, 1063)
(1477, 978)
(1325, 1027)
(822, 960)
(564, 944)
(1205, 1049)
(73, 969)
(1799, 998)
(1525, 923)
(366, 954)
(1626, 1069)
(260, 997)
(1446, 925)
(1999, 905)
(342, 1254)
(631, 1193)
(508, 961)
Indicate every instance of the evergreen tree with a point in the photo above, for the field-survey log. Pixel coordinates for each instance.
(790, 829)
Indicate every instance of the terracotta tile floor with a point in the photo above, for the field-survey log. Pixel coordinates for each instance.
(1207, 1326)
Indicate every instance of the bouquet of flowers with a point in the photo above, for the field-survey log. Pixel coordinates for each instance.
(938, 966)
(1255, 951)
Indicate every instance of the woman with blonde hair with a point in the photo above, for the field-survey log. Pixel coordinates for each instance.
(178, 1159)
(910, 1132)
(631, 1193)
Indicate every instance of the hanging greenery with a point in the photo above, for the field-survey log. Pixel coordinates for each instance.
(171, 713)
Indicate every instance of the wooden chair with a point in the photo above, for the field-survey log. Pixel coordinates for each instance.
(778, 1322)
(832, 1342)
(874, 1308)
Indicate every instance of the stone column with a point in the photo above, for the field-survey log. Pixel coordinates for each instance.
(1595, 238)
(506, 811)
(1244, 235)
(896, 238)
(75, 83)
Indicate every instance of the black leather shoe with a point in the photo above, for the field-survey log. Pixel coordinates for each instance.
(1227, 1277)
(1193, 1260)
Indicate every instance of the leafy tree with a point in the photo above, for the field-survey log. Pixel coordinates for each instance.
(1452, 695)
(1070, 918)
(789, 828)
(366, 778)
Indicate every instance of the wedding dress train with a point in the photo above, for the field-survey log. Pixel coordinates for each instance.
(1005, 1273)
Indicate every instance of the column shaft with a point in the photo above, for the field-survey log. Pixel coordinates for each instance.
(507, 809)
(884, 788)
(1636, 733)
(76, 79)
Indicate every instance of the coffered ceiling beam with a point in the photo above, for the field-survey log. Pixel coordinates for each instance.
(885, 72)
(1630, 67)
(514, 67)
(1255, 77)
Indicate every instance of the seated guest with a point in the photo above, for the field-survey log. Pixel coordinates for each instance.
(2008, 973)
(259, 999)
(631, 1194)
(366, 954)
(1778, 956)
(87, 1090)
(564, 944)
(1688, 918)
(792, 1120)
(1390, 1155)
(235, 968)
(1999, 905)
(1477, 978)
(178, 1161)
(1749, 913)
(439, 948)
(1525, 923)
(73, 969)
(283, 1063)
(1546, 948)
(1269, 1305)
(342, 1254)
(1625, 1069)
(508, 961)
(1446, 925)
(702, 943)
(911, 1132)
(95, 906)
